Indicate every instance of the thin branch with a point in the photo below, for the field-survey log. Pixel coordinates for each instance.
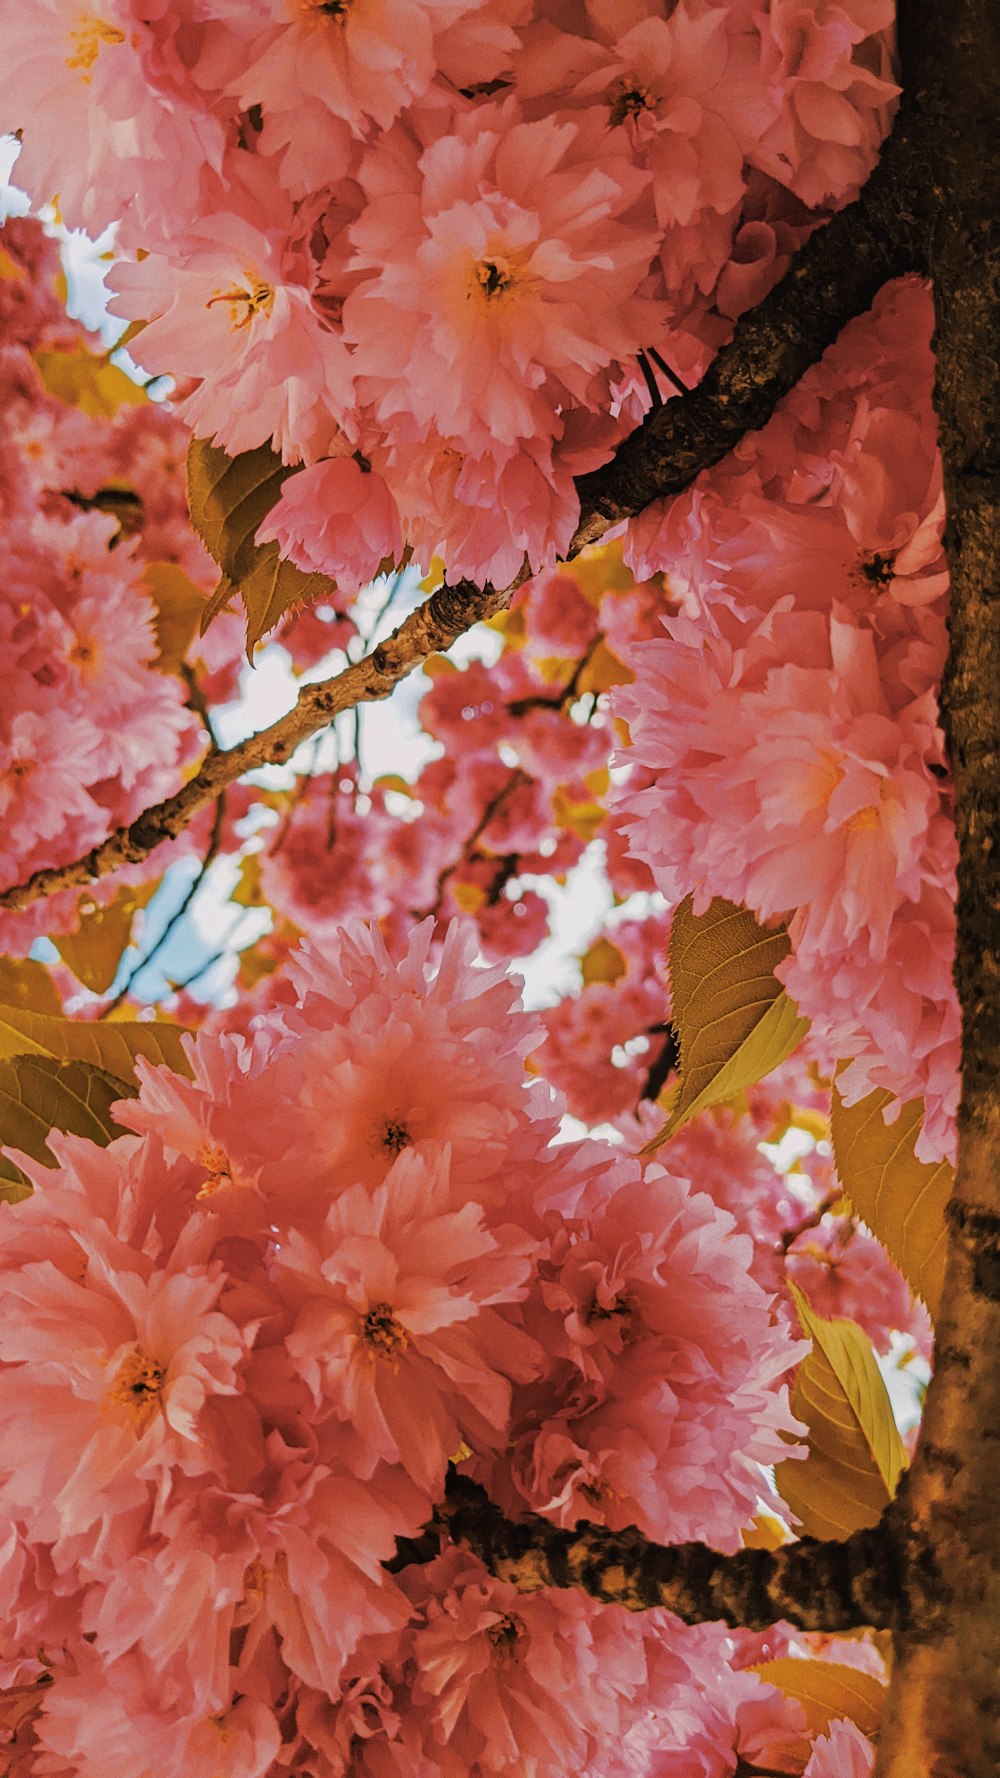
(431, 629)
(811, 1584)
(833, 278)
(141, 963)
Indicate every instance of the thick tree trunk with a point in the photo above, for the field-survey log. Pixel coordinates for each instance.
(944, 1707)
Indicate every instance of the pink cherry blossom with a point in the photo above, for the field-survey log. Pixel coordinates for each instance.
(395, 1329)
(842, 1753)
(337, 518)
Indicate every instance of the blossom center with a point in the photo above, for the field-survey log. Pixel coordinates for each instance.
(879, 568)
(504, 1636)
(137, 1386)
(331, 9)
(245, 305)
(493, 279)
(382, 1333)
(626, 99)
(83, 654)
(394, 1136)
(86, 40)
(218, 1171)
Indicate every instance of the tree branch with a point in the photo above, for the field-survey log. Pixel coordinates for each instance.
(814, 1585)
(430, 629)
(834, 277)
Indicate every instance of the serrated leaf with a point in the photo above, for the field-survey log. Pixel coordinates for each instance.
(90, 383)
(179, 605)
(734, 1022)
(604, 962)
(113, 1047)
(827, 1690)
(39, 1094)
(856, 1455)
(228, 498)
(902, 1200)
(28, 984)
(94, 951)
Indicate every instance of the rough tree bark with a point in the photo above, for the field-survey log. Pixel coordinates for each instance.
(944, 1704)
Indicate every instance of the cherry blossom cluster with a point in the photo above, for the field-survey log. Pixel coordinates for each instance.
(420, 246)
(516, 792)
(239, 1350)
(90, 734)
(787, 725)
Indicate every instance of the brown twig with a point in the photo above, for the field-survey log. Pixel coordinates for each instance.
(431, 629)
(834, 277)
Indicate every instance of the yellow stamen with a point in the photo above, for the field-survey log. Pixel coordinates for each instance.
(86, 39)
(245, 305)
(136, 1388)
(493, 278)
(217, 1168)
(383, 1335)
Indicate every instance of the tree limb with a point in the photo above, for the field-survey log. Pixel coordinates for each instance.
(833, 278)
(433, 627)
(943, 1710)
(814, 1585)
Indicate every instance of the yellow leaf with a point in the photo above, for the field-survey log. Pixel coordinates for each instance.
(902, 1200)
(393, 781)
(602, 671)
(827, 1690)
(88, 382)
(765, 1533)
(734, 1021)
(113, 1047)
(511, 626)
(179, 606)
(434, 576)
(94, 951)
(600, 570)
(438, 666)
(228, 498)
(598, 781)
(856, 1455)
(468, 897)
(28, 984)
(582, 818)
(604, 962)
(249, 891)
(9, 268)
(39, 1094)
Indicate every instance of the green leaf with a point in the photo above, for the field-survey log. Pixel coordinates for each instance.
(113, 1047)
(902, 1200)
(734, 1021)
(39, 1094)
(88, 382)
(228, 498)
(28, 984)
(856, 1455)
(94, 951)
(827, 1690)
